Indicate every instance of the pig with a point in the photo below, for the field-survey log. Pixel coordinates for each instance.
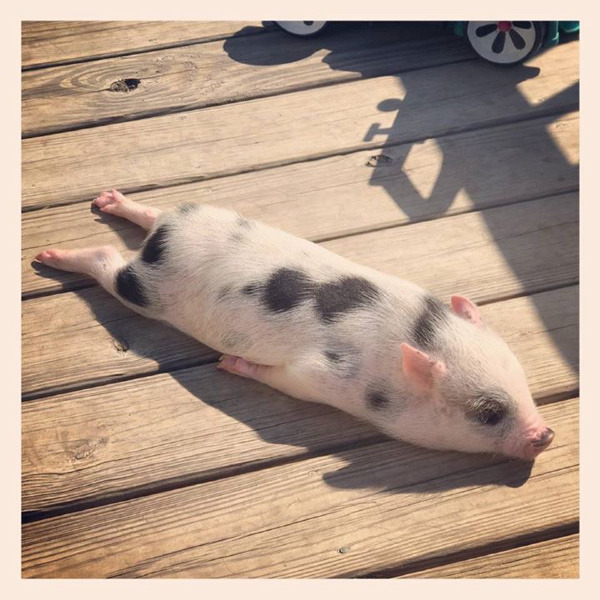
(290, 314)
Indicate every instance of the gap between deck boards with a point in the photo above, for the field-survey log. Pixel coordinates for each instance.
(413, 568)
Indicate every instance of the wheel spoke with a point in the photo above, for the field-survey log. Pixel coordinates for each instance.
(517, 39)
(498, 44)
(484, 30)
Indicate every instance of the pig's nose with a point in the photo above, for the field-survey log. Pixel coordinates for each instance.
(545, 439)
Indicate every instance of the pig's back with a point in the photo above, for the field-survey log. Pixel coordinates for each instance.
(248, 289)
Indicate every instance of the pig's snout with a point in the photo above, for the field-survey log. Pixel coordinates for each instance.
(539, 443)
(544, 440)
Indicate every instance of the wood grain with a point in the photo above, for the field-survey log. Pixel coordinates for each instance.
(203, 423)
(238, 68)
(78, 337)
(551, 559)
(348, 514)
(342, 195)
(310, 124)
(51, 42)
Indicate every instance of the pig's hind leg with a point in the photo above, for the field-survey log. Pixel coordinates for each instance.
(102, 262)
(106, 265)
(115, 203)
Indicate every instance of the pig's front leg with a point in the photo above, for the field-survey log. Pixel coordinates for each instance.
(115, 203)
(274, 376)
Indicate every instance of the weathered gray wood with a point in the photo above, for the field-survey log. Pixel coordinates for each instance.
(342, 195)
(360, 511)
(175, 149)
(201, 422)
(51, 42)
(75, 338)
(552, 559)
(238, 68)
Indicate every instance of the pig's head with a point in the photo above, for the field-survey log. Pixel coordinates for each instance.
(466, 388)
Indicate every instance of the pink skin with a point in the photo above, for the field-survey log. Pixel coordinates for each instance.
(534, 439)
(242, 367)
(101, 262)
(115, 203)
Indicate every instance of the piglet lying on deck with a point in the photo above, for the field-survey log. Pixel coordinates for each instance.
(316, 326)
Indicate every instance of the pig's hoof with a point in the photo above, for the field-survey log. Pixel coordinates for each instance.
(238, 366)
(110, 202)
(52, 257)
(229, 363)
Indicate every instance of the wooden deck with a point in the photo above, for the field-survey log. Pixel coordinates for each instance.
(390, 144)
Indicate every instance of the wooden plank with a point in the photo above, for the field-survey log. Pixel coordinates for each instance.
(52, 42)
(203, 423)
(359, 511)
(77, 337)
(220, 72)
(342, 195)
(175, 149)
(551, 559)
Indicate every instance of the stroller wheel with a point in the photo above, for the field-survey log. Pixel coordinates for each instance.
(505, 42)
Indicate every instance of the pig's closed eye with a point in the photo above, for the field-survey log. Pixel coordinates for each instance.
(491, 415)
(487, 411)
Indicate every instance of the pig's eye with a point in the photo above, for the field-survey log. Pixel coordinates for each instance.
(487, 411)
(491, 415)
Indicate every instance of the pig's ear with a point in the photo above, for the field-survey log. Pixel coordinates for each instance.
(466, 309)
(419, 368)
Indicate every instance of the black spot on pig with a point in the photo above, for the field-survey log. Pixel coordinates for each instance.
(335, 299)
(286, 289)
(376, 398)
(155, 246)
(129, 286)
(432, 317)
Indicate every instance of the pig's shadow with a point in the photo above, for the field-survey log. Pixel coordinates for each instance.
(281, 420)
